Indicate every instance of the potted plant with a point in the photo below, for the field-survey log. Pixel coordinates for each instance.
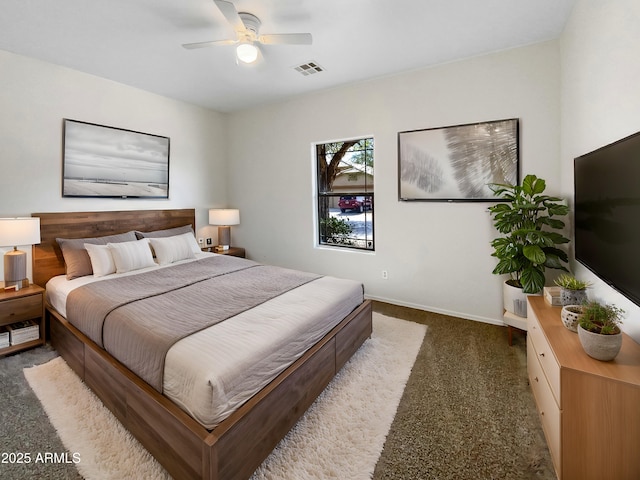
(572, 290)
(529, 240)
(570, 315)
(599, 330)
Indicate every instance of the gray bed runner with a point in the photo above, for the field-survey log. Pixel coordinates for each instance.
(138, 318)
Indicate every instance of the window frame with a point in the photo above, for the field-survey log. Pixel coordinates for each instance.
(369, 191)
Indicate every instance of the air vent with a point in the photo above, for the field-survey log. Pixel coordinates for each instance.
(309, 68)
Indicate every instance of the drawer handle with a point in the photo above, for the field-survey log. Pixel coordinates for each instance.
(542, 414)
(542, 354)
(536, 379)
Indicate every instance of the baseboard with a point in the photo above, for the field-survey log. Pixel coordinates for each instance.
(426, 308)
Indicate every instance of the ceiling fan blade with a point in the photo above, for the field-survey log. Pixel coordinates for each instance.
(286, 39)
(231, 14)
(191, 46)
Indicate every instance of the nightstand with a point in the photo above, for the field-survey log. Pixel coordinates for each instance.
(25, 304)
(233, 251)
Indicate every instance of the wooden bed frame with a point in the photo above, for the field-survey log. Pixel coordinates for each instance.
(237, 446)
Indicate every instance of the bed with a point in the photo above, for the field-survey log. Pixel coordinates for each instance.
(192, 445)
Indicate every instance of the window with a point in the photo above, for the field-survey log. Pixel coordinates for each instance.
(345, 193)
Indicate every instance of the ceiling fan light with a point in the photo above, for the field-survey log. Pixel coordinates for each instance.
(247, 52)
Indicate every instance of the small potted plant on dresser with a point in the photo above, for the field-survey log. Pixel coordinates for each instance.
(572, 290)
(599, 330)
(570, 316)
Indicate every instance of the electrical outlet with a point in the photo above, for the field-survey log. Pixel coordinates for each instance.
(209, 242)
(385, 275)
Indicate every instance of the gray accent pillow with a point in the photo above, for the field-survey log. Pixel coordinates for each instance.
(169, 232)
(76, 258)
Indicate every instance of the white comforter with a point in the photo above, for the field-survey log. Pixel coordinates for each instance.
(213, 372)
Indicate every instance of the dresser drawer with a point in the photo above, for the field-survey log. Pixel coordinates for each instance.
(545, 401)
(19, 309)
(545, 356)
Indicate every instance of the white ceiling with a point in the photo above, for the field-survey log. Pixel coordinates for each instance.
(138, 42)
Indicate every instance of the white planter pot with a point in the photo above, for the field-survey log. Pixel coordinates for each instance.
(570, 315)
(600, 347)
(573, 297)
(514, 300)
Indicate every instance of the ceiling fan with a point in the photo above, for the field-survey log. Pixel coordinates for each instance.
(247, 28)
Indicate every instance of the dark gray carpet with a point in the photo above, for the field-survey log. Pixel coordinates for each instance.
(25, 428)
(467, 411)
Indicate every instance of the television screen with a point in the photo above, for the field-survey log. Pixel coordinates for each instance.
(607, 214)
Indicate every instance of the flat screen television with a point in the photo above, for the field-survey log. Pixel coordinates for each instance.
(607, 214)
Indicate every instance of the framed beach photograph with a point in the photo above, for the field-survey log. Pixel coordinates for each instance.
(456, 163)
(101, 161)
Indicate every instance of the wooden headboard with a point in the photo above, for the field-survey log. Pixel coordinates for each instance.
(47, 257)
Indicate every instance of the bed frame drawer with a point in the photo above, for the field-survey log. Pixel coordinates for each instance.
(351, 337)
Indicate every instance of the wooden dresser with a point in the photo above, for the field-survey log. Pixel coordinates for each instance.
(590, 410)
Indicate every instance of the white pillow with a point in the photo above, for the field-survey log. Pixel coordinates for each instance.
(131, 255)
(193, 243)
(101, 259)
(173, 232)
(172, 249)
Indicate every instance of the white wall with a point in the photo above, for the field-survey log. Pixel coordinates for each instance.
(437, 254)
(600, 100)
(34, 98)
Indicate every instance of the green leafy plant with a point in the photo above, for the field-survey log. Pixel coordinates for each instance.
(571, 283)
(336, 230)
(602, 319)
(529, 242)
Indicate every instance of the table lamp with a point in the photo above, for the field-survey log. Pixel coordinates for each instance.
(223, 217)
(14, 232)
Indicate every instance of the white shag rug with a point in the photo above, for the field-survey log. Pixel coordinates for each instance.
(340, 436)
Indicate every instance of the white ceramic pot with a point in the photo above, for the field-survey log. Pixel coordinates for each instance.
(570, 315)
(514, 300)
(600, 347)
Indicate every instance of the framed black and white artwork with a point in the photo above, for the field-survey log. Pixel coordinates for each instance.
(101, 161)
(456, 163)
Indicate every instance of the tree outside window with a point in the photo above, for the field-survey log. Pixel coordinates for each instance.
(345, 193)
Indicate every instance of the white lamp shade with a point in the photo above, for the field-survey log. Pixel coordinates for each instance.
(19, 231)
(224, 216)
